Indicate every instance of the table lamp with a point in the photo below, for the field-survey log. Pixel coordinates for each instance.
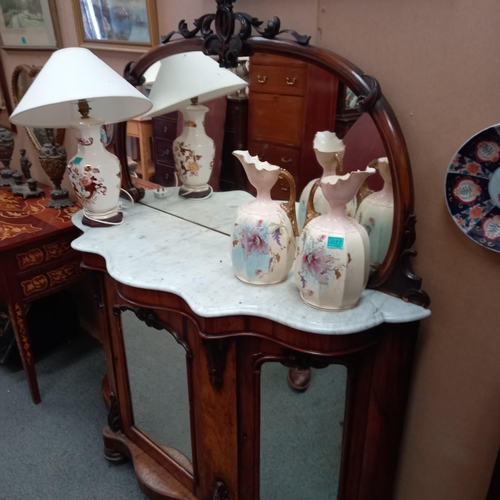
(76, 89)
(182, 83)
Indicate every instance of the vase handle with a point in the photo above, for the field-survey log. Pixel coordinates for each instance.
(311, 212)
(289, 206)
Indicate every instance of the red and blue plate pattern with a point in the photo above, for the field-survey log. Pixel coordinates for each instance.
(473, 188)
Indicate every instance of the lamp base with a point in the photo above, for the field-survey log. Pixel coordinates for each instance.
(196, 194)
(111, 221)
(60, 199)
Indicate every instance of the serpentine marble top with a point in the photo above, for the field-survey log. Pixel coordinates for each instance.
(158, 251)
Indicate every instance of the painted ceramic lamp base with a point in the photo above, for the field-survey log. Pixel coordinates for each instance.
(194, 153)
(95, 175)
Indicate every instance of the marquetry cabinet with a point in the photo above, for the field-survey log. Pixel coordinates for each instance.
(289, 102)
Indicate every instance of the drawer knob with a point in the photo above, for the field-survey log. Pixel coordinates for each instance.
(291, 82)
(261, 79)
(165, 129)
(286, 160)
(166, 152)
(284, 187)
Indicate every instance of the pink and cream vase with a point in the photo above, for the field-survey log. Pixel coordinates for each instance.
(264, 232)
(333, 255)
(329, 151)
(376, 215)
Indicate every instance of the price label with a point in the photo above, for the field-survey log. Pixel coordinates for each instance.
(335, 242)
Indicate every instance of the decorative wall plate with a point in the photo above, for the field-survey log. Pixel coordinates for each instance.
(473, 188)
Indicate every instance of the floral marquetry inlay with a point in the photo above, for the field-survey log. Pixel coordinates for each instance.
(22, 333)
(8, 230)
(62, 274)
(55, 250)
(31, 258)
(35, 285)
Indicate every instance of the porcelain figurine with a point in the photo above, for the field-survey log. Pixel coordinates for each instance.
(329, 151)
(263, 239)
(376, 214)
(332, 263)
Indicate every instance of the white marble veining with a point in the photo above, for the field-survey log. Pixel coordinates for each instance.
(217, 212)
(157, 251)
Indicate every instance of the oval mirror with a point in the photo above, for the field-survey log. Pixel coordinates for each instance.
(22, 78)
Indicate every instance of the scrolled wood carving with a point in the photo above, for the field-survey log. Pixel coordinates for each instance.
(114, 421)
(216, 351)
(152, 320)
(366, 102)
(225, 42)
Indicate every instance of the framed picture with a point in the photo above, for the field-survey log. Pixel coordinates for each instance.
(6, 107)
(116, 24)
(29, 24)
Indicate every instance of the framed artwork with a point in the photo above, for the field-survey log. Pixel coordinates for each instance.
(116, 24)
(6, 103)
(29, 24)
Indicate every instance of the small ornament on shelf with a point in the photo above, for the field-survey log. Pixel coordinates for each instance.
(53, 159)
(30, 189)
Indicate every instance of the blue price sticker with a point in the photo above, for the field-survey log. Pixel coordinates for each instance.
(77, 160)
(23, 40)
(335, 242)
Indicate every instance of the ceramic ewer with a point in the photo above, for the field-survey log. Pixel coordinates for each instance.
(376, 214)
(329, 151)
(263, 239)
(332, 263)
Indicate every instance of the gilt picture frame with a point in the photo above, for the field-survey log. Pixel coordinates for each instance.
(125, 25)
(6, 102)
(29, 25)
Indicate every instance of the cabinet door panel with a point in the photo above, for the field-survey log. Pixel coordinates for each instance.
(276, 118)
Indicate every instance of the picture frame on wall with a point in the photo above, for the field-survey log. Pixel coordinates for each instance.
(130, 25)
(7, 108)
(29, 24)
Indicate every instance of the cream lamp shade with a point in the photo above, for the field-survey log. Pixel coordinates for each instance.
(74, 74)
(182, 77)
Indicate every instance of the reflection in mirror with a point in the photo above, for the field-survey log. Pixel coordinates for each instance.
(22, 78)
(158, 381)
(301, 434)
(287, 103)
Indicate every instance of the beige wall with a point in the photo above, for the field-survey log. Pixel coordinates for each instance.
(437, 62)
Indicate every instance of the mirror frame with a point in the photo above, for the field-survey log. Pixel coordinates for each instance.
(395, 275)
(32, 72)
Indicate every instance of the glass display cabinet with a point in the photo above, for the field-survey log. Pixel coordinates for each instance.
(197, 361)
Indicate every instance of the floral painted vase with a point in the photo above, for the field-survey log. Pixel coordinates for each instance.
(376, 214)
(194, 153)
(95, 173)
(263, 239)
(329, 151)
(332, 263)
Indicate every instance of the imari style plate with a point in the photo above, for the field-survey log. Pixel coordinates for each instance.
(473, 188)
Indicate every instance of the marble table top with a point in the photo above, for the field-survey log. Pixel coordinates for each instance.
(158, 251)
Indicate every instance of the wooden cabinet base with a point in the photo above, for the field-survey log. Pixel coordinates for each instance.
(155, 482)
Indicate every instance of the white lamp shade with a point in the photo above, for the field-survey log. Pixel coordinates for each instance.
(73, 74)
(182, 77)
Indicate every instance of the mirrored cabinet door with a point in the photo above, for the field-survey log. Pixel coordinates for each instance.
(301, 434)
(157, 374)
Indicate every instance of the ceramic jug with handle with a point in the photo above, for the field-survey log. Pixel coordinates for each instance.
(263, 240)
(332, 263)
(376, 214)
(329, 151)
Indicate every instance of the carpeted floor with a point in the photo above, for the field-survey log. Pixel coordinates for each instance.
(53, 451)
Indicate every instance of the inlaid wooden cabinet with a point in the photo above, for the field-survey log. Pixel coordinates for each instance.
(289, 102)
